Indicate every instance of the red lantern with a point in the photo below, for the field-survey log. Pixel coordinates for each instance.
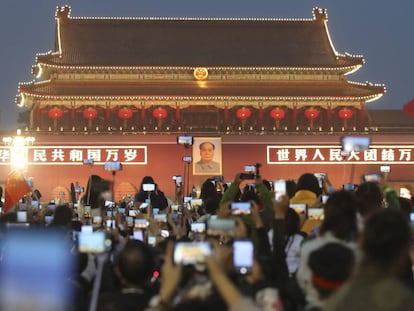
(243, 114)
(55, 114)
(277, 114)
(90, 114)
(345, 114)
(160, 114)
(311, 114)
(125, 114)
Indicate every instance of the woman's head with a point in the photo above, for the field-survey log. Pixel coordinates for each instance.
(94, 189)
(369, 198)
(386, 238)
(308, 182)
(340, 215)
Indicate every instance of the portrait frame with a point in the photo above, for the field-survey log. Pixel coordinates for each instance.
(217, 158)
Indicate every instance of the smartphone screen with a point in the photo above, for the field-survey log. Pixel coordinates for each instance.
(91, 242)
(152, 240)
(243, 256)
(217, 227)
(87, 229)
(190, 253)
(130, 221)
(299, 208)
(138, 235)
(34, 272)
(141, 223)
(110, 223)
(240, 208)
(148, 187)
(315, 213)
(198, 227)
(21, 216)
(161, 217)
(279, 187)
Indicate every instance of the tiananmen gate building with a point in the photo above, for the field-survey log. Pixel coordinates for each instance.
(269, 91)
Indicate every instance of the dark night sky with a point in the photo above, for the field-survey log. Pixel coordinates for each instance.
(381, 31)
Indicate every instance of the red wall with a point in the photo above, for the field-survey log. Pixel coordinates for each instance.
(165, 160)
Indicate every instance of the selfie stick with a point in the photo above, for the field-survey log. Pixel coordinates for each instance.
(101, 258)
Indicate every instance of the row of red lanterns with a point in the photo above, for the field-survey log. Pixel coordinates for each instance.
(243, 114)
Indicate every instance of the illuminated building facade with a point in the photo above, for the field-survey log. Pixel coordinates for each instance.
(129, 86)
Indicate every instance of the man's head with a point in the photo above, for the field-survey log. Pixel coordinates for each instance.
(136, 263)
(207, 151)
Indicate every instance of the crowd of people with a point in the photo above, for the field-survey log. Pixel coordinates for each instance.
(237, 246)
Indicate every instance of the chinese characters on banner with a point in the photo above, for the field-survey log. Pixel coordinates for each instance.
(71, 155)
(320, 154)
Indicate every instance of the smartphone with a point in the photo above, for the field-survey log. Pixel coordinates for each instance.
(219, 226)
(279, 187)
(165, 234)
(187, 199)
(96, 220)
(148, 187)
(191, 253)
(35, 204)
(110, 223)
(155, 210)
(320, 177)
(315, 213)
(109, 204)
(178, 179)
(198, 227)
(161, 217)
(412, 217)
(187, 159)
(385, 169)
(121, 210)
(299, 208)
(324, 198)
(405, 193)
(196, 203)
(348, 187)
(21, 216)
(91, 242)
(88, 161)
(152, 240)
(250, 168)
(138, 235)
(243, 256)
(130, 221)
(86, 209)
(34, 271)
(219, 178)
(87, 229)
(240, 208)
(175, 208)
(141, 223)
(48, 219)
(375, 178)
(113, 166)
(132, 213)
(185, 140)
(355, 143)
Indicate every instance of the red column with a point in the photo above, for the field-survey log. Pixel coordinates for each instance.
(361, 116)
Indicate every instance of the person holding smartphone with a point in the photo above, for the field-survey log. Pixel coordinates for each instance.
(92, 202)
(155, 196)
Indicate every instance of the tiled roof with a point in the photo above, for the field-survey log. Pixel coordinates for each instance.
(195, 42)
(208, 88)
